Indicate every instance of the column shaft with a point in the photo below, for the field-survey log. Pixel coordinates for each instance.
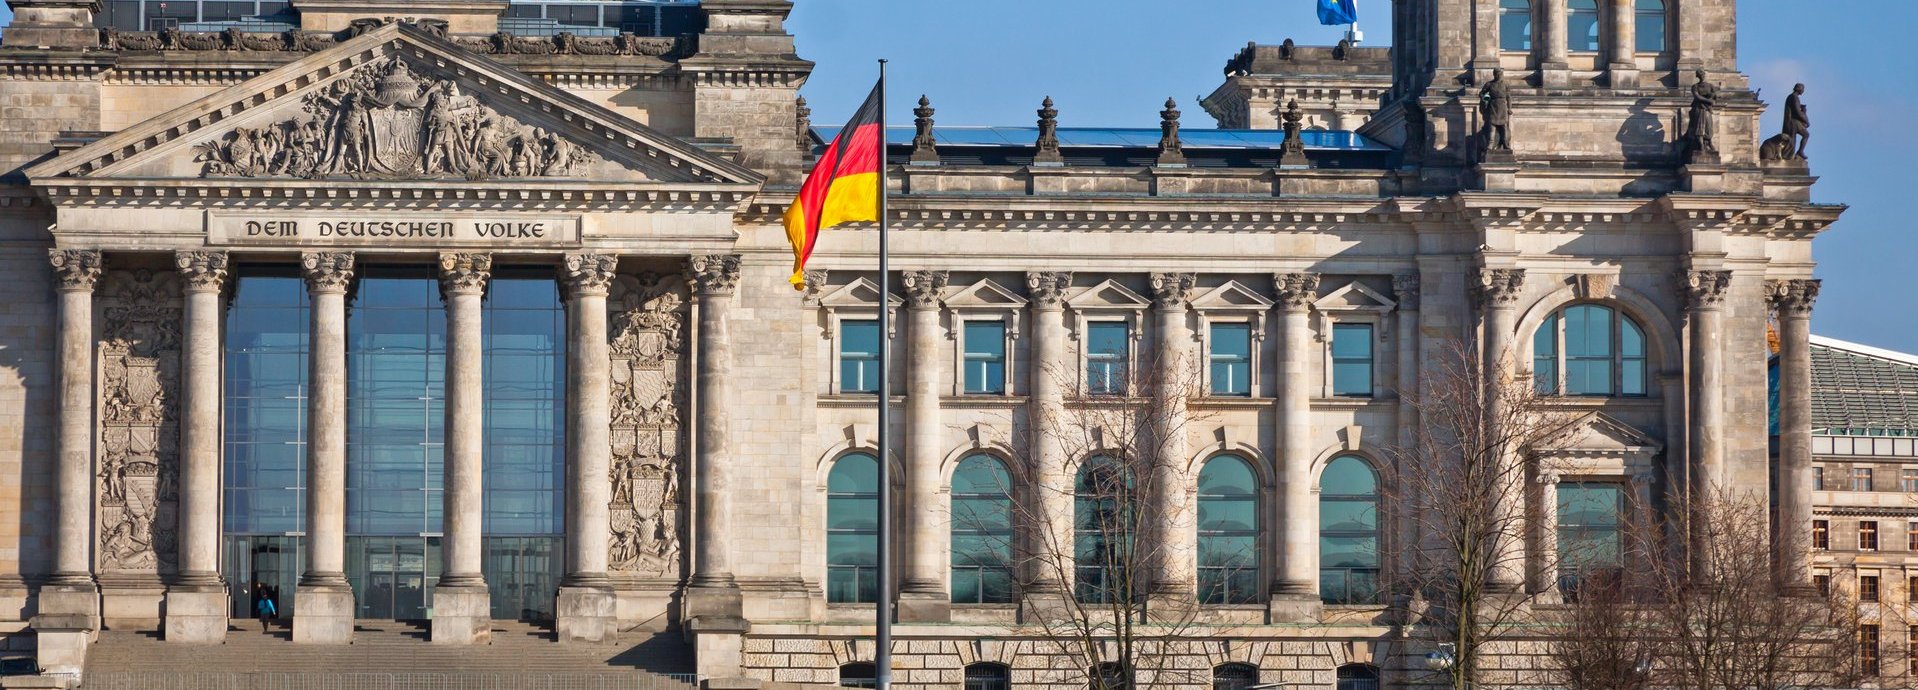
(1543, 573)
(926, 519)
(1405, 289)
(716, 278)
(205, 273)
(1296, 526)
(1555, 50)
(327, 276)
(1499, 290)
(1050, 501)
(1706, 296)
(1175, 567)
(77, 271)
(589, 446)
(463, 285)
(1793, 300)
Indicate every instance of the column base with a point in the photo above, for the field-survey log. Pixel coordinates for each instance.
(585, 614)
(924, 607)
(196, 614)
(69, 618)
(324, 614)
(462, 615)
(718, 607)
(1293, 607)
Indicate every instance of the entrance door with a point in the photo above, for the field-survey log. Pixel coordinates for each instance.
(523, 574)
(393, 577)
(273, 561)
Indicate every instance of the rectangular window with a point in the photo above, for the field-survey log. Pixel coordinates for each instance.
(1868, 649)
(1868, 535)
(1588, 528)
(1107, 343)
(1860, 479)
(1911, 537)
(1817, 479)
(1232, 359)
(1822, 583)
(1908, 480)
(1820, 534)
(1352, 360)
(1515, 25)
(1650, 15)
(985, 357)
(1868, 589)
(859, 356)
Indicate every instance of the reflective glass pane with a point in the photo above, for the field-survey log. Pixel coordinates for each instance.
(1106, 339)
(1545, 356)
(1515, 25)
(265, 403)
(1348, 476)
(1345, 515)
(1581, 25)
(1348, 552)
(1588, 331)
(985, 357)
(1650, 33)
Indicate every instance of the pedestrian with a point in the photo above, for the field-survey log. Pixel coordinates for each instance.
(266, 608)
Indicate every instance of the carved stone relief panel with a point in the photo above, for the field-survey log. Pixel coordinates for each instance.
(383, 121)
(648, 321)
(139, 424)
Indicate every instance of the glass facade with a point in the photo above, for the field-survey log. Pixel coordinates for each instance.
(524, 332)
(265, 441)
(1349, 532)
(585, 17)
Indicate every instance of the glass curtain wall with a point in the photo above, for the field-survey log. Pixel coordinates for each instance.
(525, 378)
(265, 454)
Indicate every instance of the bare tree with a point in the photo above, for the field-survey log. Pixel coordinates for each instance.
(1463, 481)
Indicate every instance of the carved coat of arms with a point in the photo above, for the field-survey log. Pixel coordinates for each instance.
(648, 318)
(138, 471)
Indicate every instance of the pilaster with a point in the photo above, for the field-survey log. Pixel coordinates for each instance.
(923, 596)
(1295, 592)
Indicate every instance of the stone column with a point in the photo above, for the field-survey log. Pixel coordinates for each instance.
(1174, 580)
(1705, 296)
(1550, 45)
(196, 602)
(923, 596)
(462, 606)
(1542, 575)
(1405, 289)
(1793, 299)
(325, 601)
(1295, 592)
(715, 610)
(1623, 64)
(1498, 292)
(585, 607)
(1049, 502)
(70, 601)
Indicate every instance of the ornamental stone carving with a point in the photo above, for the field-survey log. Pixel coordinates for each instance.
(923, 288)
(1296, 291)
(76, 269)
(648, 324)
(1792, 298)
(327, 271)
(1706, 289)
(1498, 288)
(1405, 290)
(203, 271)
(815, 286)
(139, 427)
(714, 274)
(384, 122)
(588, 274)
(1047, 289)
(1172, 290)
(465, 273)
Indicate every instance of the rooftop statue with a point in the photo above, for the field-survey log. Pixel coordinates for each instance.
(1495, 109)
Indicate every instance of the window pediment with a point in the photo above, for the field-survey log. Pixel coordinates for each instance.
(1107, 295)
(1355, 296)
(984, 294)
(1232, 296)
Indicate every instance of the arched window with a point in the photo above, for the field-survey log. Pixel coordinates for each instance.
(1234, 676)
(1515, 25)
(1581, 25)
(852, 529)
(858, 676)
(1589, 349)
(1348, 532)
(981, 532)
(1358, 677)
(1650, 22)
(1103, 530)
(1109, 676)
(1228, 532)
(988, 676)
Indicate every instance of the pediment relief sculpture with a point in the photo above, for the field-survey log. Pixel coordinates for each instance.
(385, 122)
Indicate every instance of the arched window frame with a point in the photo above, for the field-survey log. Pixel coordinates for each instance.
(863, 572)
(1550, 365)
(1523, 13)
(988, 675)
(1003, 539)
(1234, 675)
(1651, 13)
(1227, 593)
(1093, 582)
(1377, 534)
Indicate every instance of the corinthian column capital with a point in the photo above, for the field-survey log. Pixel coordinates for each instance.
(923, 288)
(1172, 290)
(76, 269)
(327, 271)
(1499, 287)
(204, 271)
(465, 274)
(1047, 289)
(1405, 289)
(1792, 298)
(714, 274)
(1295, 290)
(588, 274)
(1706, 289)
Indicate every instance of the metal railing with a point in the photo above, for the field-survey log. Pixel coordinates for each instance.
(389, 681)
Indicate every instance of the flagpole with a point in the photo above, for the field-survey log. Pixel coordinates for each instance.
(882, 608)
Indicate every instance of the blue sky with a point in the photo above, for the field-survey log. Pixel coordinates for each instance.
(1114, 62)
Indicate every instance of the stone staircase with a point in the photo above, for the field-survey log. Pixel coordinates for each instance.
(390, 655)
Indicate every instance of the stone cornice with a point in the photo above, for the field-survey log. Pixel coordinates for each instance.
(283, 194)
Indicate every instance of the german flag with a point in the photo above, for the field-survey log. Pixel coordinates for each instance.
(842, 188)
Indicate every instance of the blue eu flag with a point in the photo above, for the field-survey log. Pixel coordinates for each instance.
(1338, 12)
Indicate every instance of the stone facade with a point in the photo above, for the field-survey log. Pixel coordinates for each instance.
(705, 403)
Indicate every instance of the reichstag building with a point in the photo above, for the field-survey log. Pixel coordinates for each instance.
(468, 311)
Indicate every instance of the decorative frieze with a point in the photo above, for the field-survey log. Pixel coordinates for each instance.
(1499, 287)
(648, 314)
(923, 288)
(1706, 289)
(139, 422)
(76, 269)
(1047, 289)
(1792, 298)
(714, 274)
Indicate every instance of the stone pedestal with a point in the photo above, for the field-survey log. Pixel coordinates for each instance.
(325, 615)
(1498, 175)
(1291, 607)
(462, 615)
(924, 607)
(196, 615)
(1704, 178)
(719, 652)
(58, 24)
(63, 653)
(718, 605)
(68, 607)
(585, 614)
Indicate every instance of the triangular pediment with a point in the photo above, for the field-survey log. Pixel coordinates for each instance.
(1108, 295)
(985, 294)
(1232, 296)
(861, 292)
(1354, 296)
(395, 104)
(1598, 434)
